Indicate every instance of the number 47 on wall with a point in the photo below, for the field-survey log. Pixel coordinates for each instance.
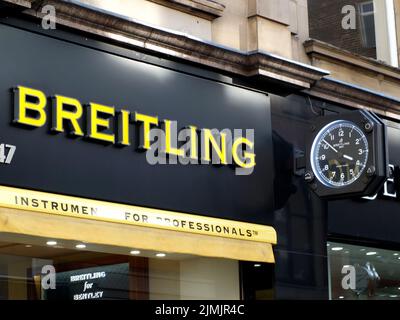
(7, 152)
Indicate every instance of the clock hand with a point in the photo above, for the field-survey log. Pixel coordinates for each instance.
(329, 146)
(348, 157)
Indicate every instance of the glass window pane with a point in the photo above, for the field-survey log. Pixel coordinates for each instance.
(363, 273)
(27, 272)
(369, 31)
(367, 7)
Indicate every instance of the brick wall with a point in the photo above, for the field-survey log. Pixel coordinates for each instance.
(325, 19)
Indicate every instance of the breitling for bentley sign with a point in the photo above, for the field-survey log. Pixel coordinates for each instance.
(106, 125)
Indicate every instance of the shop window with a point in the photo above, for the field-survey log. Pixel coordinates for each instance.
(28, 270)
(363, 273)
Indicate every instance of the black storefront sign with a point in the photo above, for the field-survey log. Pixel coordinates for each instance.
(375, 219)
(62, 163)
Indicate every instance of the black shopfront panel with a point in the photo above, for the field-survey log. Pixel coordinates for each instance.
(73, 166)
(304, 222)
(370, 221)
(299, 216)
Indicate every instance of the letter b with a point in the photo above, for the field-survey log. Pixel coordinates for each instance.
(29, 107)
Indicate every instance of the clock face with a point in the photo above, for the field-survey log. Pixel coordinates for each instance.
(339, 154)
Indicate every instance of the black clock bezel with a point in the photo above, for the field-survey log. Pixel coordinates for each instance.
(377, 166)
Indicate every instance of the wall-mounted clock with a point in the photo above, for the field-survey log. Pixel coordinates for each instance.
(347, 155)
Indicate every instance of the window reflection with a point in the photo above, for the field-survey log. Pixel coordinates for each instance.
(105, 274)
(376, 272)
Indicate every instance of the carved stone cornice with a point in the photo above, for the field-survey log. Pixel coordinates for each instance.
(356, 97)
(350, 94)
(19, 4)
(131, 32)
(206, 9)
(317, 49)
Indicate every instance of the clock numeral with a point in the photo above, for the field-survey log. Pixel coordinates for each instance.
(357, 141)
(341, 133)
